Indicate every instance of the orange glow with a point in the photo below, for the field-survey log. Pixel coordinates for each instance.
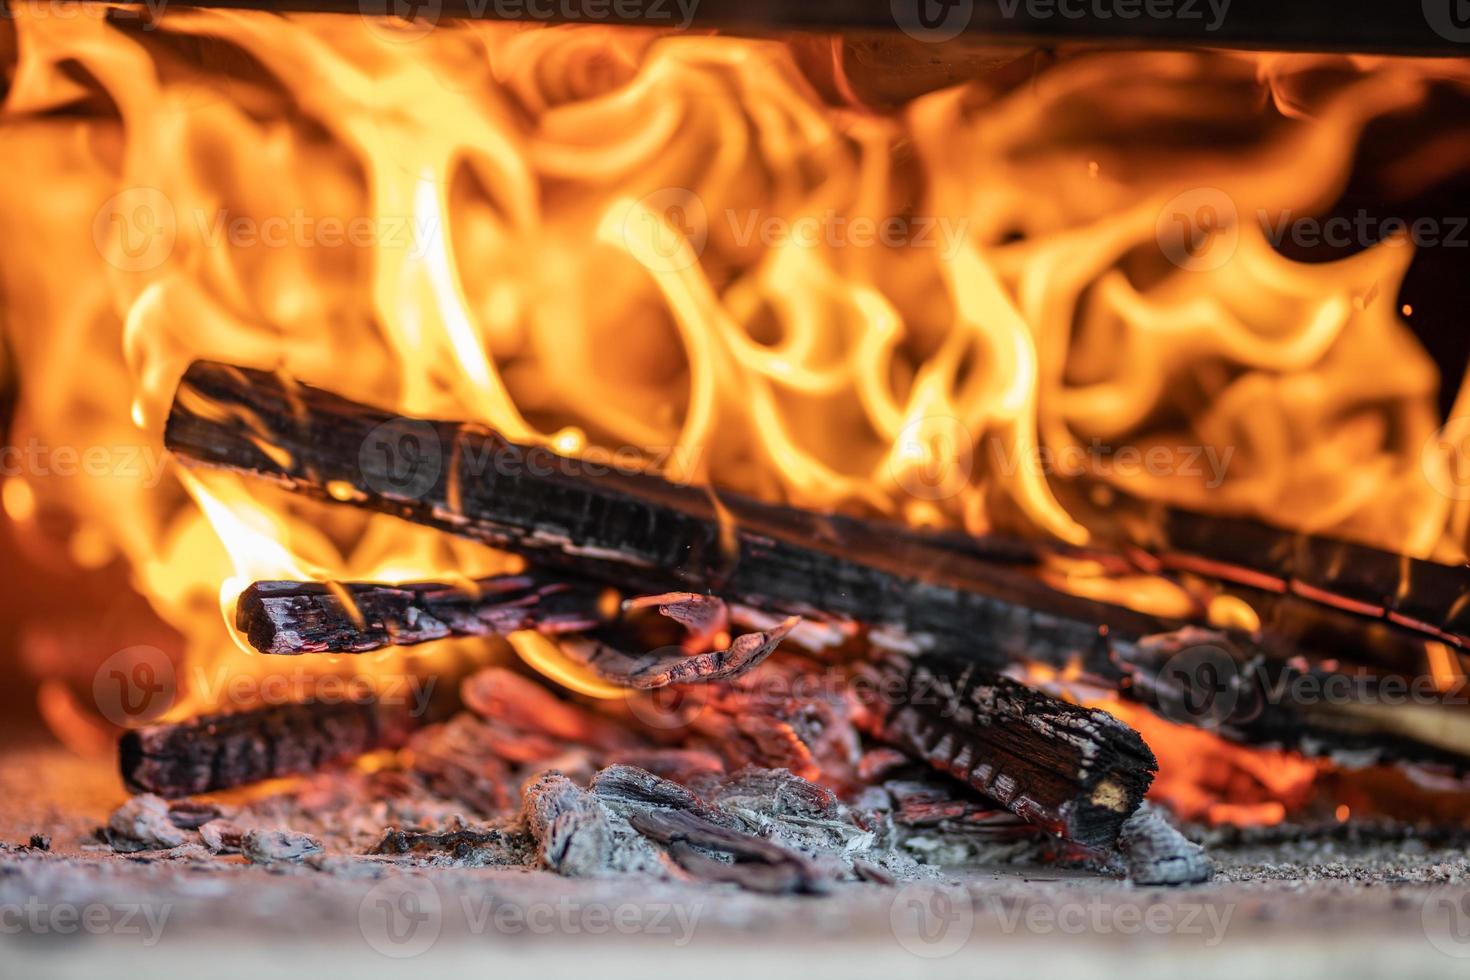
(543, 654)
(1202, 777)
(18, 499)
(574, 235)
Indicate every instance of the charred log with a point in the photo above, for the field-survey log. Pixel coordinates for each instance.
(1079, 773)
(919, 594)
(216, 752)
(316, 617)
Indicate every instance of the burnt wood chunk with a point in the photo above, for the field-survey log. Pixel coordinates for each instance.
(221, 751)
(671, 665)
(711, 852)
(1077, 772)
(356, 617)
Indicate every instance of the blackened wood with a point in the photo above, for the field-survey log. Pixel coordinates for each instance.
(635, 528)
(1426, 597)
(356, 617)
(920, 594)
(221, 751)
(672, 665)
(754, 864)
(1077, 772)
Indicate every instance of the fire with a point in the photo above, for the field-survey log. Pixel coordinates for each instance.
(1202, 777)
(675, 249)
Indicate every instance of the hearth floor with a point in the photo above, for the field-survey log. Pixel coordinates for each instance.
(1314, 905)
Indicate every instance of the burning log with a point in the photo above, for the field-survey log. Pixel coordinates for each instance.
(919, 593)
(1424, 597)
(216, 752)
(634, 527)
(313, 617)
(1077, 772)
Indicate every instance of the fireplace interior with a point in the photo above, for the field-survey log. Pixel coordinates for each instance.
(602, 487)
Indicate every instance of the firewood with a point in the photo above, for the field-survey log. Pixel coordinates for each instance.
(215, 752)
(920, 593)
(1078, 772)
(356, 617)
(1425, 597)
(633, 528)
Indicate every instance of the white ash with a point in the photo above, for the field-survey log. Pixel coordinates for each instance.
(143, 824)
(271, 846)
(222, 836)
(1158, 854)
